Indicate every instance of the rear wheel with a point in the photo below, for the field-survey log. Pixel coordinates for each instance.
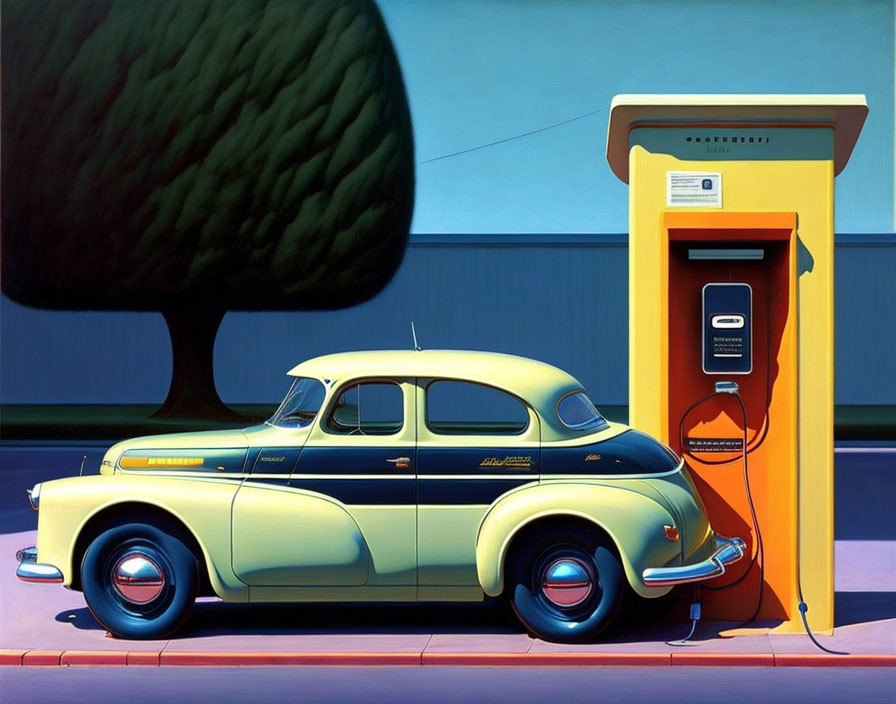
(139, 581)
(566, 585)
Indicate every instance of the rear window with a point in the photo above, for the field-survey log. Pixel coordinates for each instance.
(462, 407)
(577, 412)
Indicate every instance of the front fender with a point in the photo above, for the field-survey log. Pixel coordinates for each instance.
(291, 537)
(633, 521)
(203, 506)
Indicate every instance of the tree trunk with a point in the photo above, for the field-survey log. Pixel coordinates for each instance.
(192, 393)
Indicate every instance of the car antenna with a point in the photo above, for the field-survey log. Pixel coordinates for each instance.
(417, 347)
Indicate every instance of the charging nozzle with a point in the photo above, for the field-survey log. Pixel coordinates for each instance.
(727, 387)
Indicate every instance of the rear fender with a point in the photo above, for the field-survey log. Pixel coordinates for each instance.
(634, 522)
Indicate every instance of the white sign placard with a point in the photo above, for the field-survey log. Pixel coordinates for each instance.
(693, 188)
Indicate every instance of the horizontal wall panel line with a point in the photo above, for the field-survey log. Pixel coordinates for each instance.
(611, 239)
(519, 240)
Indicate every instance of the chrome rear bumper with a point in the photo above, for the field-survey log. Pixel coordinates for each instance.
(30, 570)
(728, 550)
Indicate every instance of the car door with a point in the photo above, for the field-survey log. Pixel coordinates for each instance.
(474, 444)
(346, 513)
(361, 455)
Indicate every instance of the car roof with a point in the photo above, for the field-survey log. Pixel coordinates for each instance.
(536, 382)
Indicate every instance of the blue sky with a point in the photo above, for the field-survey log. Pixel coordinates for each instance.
(478, 71)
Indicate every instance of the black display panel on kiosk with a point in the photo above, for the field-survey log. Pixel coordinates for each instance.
(727, 328)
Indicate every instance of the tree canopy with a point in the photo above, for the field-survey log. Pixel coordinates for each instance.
(199, 156)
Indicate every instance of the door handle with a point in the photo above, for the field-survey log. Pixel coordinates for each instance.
(400, 462)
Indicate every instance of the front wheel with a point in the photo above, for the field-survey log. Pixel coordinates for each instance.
(566, 585)
(139, 581)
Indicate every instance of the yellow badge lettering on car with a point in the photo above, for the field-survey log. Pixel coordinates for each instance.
(513, 461)
(145, 462)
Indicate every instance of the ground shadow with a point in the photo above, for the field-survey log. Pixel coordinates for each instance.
(637, 621)
(657, 620)
(864, 487)
(852, 608)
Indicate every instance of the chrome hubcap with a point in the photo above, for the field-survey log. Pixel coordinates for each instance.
(138, 578)
(567, 582)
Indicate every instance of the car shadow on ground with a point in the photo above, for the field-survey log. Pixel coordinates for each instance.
(637, 620)
(657, 620)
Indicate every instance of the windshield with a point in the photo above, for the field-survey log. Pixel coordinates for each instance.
(302, 402)
(577, 412)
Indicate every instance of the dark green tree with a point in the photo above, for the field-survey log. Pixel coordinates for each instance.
(198, 156)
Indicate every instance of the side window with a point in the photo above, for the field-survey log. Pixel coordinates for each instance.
(368, 408)
(454, 407)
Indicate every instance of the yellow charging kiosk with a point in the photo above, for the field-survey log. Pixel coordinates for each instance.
(731, 248)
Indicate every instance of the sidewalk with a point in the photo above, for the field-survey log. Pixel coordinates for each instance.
(50, 625)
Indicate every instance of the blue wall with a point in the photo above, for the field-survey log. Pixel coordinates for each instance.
(480, 71)
(561, 299)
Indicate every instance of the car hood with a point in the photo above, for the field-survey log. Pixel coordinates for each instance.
(212, 450)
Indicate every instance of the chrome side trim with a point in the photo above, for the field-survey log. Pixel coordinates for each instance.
(31, 571)
(599, 477)
(519, 477)
(728, 551)
(409, 476)
(184, 474)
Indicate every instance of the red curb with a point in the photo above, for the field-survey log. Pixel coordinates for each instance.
(555, 659)
(41, 657)
(95, 657)
(547, 659)
(143, 658)
(224, 659)
(11, 657)
(723, 659)
(799, 660)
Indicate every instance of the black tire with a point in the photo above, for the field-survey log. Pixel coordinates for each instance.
(576, 613)
(134, 545)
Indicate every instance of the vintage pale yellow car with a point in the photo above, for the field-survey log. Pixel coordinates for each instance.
(386, 476)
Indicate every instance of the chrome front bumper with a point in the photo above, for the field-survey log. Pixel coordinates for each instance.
(728, 550)
(30, 570)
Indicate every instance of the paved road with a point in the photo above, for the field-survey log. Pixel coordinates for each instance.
(21, 466)
(446, 685)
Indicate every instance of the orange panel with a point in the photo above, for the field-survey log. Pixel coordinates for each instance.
(768, 393)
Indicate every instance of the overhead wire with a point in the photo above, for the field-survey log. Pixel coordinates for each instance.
(510, 139)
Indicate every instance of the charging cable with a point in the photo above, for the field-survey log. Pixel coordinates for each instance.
(803, 609)
(694, 616)
(731, 388)
(803, 606)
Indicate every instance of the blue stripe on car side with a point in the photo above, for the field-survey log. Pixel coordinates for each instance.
(275, 460)
(631, 452)
(473, 461)
(354, 460)
(251, 456)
